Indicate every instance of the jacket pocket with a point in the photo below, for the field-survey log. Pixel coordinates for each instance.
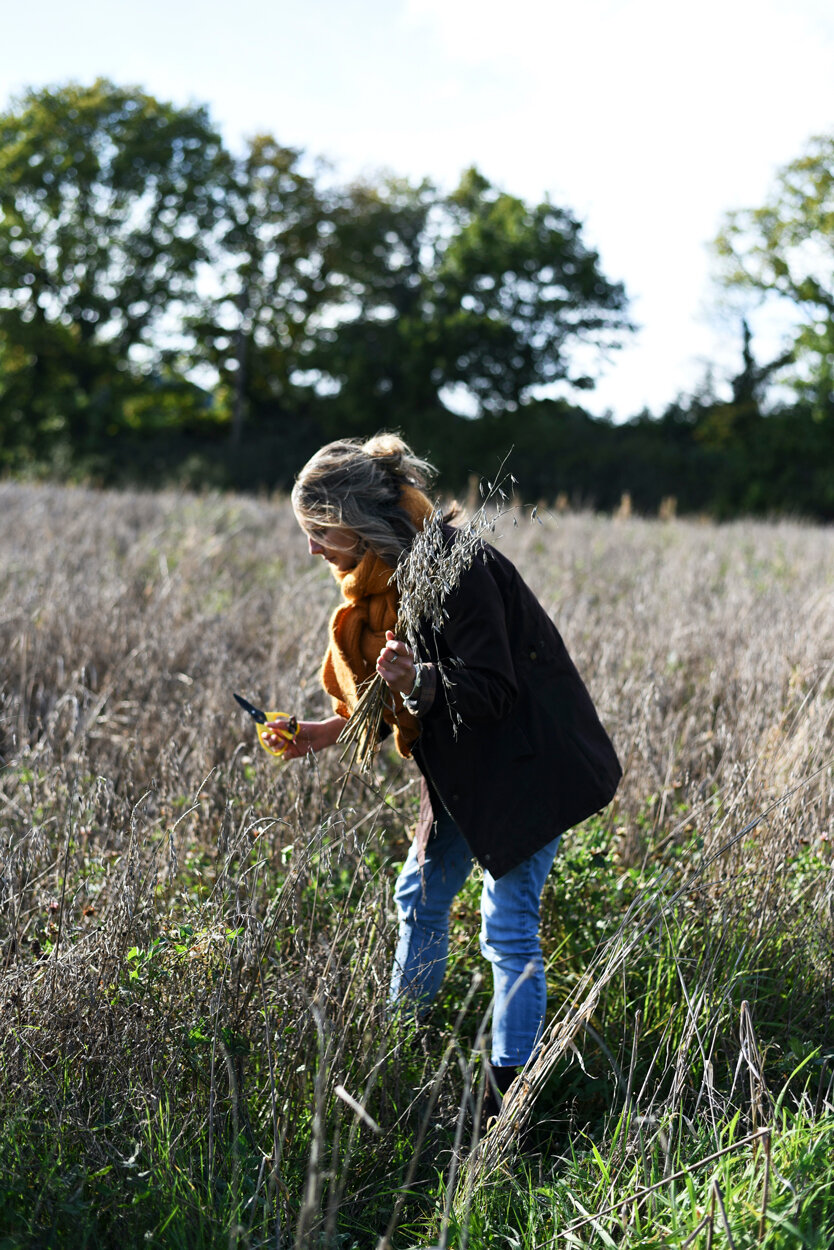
(519, 746)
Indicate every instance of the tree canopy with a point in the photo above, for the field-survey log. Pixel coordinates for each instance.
(267, 270)
(107, 197)
(146, 272)
(475, 289)
(785, 249)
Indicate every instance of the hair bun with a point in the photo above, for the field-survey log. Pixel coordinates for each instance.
(398, 458)
(387, 447)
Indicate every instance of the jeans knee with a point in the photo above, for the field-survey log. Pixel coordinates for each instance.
(424, 892)
(513, 951)
(424, 898)
(510, 937)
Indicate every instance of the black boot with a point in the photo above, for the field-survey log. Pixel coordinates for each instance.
(499, 1081)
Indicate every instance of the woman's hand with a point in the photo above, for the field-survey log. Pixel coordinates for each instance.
(313, 735)
(396, 665)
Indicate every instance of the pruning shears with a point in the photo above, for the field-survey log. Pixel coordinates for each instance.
(286, 732)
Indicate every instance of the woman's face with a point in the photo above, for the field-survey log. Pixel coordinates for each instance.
(338, 546)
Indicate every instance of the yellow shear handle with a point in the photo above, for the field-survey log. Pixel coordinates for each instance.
(286, 732)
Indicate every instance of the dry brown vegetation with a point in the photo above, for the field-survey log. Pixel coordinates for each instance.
(195, 939)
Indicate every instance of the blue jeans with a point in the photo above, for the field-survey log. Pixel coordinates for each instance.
(509, 936)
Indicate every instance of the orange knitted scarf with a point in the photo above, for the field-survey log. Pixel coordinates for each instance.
(357, 629)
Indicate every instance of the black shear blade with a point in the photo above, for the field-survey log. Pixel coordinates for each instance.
(254, 712)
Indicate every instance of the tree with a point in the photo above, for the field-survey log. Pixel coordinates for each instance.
(786, 249)
(476, 289)
(107, 197)
(268, 266)
(520, 295)
(374, 346)
(737, 424)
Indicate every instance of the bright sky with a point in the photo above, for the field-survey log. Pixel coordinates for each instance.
(648, 119)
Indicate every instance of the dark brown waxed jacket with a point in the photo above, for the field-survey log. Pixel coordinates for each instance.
(511, 745)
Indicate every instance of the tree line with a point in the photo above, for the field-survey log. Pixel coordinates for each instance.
(173, 310)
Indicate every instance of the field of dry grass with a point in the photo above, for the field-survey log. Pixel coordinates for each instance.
(195, 939)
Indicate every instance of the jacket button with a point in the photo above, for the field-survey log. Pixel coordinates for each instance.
(455, 797)
(532, 655)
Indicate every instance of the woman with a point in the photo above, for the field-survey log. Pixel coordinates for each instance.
(493, 712)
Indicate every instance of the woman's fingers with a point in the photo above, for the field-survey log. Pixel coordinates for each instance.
(278, 736)
(396, 665)
(396, 651)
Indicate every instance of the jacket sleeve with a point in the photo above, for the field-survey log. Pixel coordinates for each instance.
(474, 674)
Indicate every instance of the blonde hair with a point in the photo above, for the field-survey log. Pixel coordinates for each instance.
(356, 485)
